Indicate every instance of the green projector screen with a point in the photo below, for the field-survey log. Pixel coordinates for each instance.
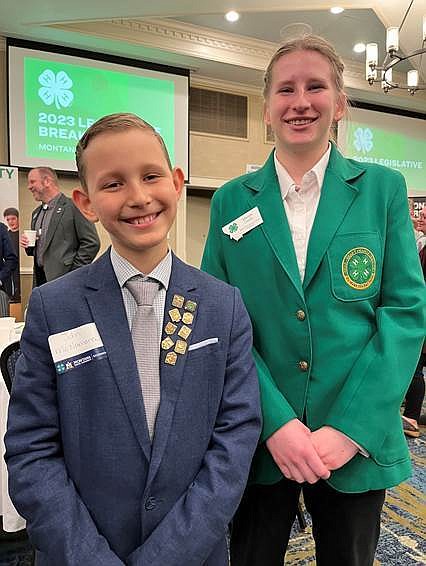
(396, 141)
(54, 98)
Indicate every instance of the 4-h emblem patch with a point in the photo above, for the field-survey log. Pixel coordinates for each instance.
(359, 268)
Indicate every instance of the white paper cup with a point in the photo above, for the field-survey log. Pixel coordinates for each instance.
(31, 235)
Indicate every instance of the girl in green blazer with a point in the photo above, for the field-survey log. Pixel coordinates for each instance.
(322, 249)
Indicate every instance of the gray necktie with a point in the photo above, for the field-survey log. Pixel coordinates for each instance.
(146, 339)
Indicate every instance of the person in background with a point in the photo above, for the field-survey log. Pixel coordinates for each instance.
(11, 216)
(65, 239)
(135, 444)
(323, 251)
(8, 263)
(416, 391)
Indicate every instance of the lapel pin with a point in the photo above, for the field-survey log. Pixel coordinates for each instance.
(175, 315)
(171, 358)
(170, 328)
(190, 306)
(178, 301)
(184, 332)
(180, 346)
(167, 343)
(187, 318)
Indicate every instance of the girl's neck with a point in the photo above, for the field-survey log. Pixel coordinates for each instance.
(297, 163)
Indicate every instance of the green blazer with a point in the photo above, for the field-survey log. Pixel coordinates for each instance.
(340, 348)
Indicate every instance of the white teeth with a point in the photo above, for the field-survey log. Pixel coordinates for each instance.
(142, 220)
(300, 122)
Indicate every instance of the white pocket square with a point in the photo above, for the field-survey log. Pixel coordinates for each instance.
(203, 343)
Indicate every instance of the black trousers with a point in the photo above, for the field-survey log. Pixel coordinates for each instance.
(345, 526)
(39, 275)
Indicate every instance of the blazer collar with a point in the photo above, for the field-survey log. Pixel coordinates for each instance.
(57, 213)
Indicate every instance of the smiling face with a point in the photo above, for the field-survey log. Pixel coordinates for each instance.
(302, 103)
(12, 222)
(133, 192)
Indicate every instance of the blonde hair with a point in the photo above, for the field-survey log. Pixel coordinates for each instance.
(307, 43)
(113, 123)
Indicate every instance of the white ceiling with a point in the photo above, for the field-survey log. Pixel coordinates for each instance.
(195, 35)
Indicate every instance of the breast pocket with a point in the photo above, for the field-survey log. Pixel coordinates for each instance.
(355, 262)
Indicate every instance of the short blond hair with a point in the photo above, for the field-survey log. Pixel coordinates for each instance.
(307, 43)
(113, 123)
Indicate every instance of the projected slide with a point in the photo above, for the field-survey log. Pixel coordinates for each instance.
(398, 142)
(60, 96)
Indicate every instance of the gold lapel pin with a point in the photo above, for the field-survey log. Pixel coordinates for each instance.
(180, 346)
(170, 328)
(175, 315)
(190, 306)
(167, 343)
(171, 358)
(184, 332)
(178, 301)
(187, 317)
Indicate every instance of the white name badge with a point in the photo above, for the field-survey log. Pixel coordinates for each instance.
(243, 224)
(75, 347)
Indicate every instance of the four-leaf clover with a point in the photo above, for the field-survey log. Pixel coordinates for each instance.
(55, 88)
(363, 139)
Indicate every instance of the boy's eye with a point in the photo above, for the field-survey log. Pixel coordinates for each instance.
(285, 89)
(151, 177)
(316, 86)
(111, 185)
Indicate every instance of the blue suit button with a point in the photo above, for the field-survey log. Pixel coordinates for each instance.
(150, 504)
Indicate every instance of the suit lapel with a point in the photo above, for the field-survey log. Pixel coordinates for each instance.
(55, 219)
(267, 196)
(171, 376)
(337, 195)
(102, 291)
(34, 216)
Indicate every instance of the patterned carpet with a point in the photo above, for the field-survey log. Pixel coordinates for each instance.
(403, 534)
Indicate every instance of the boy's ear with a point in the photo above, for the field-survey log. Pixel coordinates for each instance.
(82, 202)
(178, 180)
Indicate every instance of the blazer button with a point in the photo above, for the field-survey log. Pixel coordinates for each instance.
(300, 315)
(303, 365)
(150, 504)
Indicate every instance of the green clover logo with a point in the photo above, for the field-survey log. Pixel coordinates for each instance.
(55, 88)
(363, 139)
(233, 227)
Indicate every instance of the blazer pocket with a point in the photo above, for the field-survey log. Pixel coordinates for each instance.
(355, 263)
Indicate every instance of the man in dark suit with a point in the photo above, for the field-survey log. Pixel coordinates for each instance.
(65, 239)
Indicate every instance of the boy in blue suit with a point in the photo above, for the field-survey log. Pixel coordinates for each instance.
(95, 486)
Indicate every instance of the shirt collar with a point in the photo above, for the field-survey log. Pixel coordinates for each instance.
(124, 270)
(52, 202)
(319, 169)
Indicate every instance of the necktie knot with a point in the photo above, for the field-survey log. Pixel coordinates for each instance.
(143, 291)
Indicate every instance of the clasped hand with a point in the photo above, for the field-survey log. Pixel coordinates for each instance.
(306, 456)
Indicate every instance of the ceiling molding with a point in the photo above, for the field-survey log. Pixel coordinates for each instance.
(181, 38)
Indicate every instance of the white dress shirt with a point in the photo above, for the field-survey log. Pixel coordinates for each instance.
(301, 203)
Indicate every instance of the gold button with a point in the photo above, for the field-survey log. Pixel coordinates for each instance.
(303, 365)
(301, 315)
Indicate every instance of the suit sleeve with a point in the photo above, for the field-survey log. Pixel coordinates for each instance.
(9, 261)
(58, 522)
(276, 410)
(88, 239)
(382, 373)
(198, 520)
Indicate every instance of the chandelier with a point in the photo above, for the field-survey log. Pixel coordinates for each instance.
(383, 73)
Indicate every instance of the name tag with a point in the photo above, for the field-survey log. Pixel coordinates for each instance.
(243, 224)
(75, 347)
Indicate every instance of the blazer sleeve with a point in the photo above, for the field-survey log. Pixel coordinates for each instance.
(88, 240)
(381, 375)
(58, 522)
(276, 410)
(9, 259)
(199, 519)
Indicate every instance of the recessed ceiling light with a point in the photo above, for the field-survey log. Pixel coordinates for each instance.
(359, 47)
(232, 16)
(337, 10)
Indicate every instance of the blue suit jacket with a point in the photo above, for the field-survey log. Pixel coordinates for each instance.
(81, 468)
